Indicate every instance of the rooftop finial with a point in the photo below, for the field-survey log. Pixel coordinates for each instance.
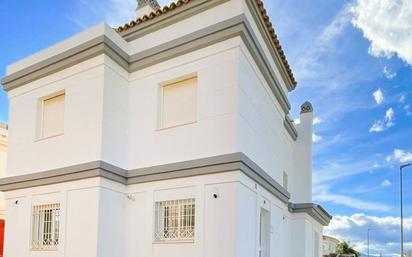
(152, 3)
(306, 107)
(145, 7)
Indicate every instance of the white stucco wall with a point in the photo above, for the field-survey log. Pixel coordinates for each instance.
(81, 141)
(103, 218)
(262, 135)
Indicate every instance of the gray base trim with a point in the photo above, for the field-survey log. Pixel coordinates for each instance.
(204, 166)
(67, 174)
(313, 210)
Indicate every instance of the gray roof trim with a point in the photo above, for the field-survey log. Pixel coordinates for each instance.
(290, 128)
(261, 60)
(269, 44)
(203, 166)
(83, 52)
(237, 26)
(313, 210)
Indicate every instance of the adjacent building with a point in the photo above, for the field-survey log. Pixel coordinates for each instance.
(168, 136)
(329, 245)
(3, 160)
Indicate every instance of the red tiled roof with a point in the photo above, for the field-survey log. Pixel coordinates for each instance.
(180, 3)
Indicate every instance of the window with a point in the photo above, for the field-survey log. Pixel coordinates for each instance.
(285, 180)
(178, 103)
(175, 220)
(52, 116)
(46, 219)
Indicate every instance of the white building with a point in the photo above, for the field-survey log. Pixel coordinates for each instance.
(3, 159)
(329, 245)
(169, 136)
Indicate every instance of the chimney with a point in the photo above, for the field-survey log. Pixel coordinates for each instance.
(145, 7)
(303, 156)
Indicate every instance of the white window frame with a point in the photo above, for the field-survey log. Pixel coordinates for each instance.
(175, 220)
(40, 116)
(46, 227)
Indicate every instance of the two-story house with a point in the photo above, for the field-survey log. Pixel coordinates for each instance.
(169, 136)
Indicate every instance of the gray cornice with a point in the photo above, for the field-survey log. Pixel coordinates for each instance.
(313, 210)
(237, 26)
(268, 41)
(204, 166)
(66, 174)
(290, 128)
(97, 46)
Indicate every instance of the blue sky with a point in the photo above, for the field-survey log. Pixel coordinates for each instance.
(352, 60)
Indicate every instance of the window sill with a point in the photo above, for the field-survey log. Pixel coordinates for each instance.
(176, 126)
(48, 137)
(44, 250)
(174, 242)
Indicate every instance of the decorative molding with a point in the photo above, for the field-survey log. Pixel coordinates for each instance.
(313, 210)
(204, 166)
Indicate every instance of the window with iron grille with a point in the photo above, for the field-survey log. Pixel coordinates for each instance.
(175, 220)
(46, 219)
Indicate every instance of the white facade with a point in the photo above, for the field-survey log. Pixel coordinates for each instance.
(230, 155)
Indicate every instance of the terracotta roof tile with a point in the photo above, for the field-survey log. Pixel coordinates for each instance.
(180, 3)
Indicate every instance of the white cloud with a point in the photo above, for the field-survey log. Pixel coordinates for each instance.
(323, 195)
(316, 138)
(387, 122)
(334, 29)
(317, 121)
(387, 25)
(402, 98)
(384, 234)
(335, 169)
(386, 183)
(378, 95)
(390, 114)
(389, 74)
(400, 156)
(377, 126)
(407, 109)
